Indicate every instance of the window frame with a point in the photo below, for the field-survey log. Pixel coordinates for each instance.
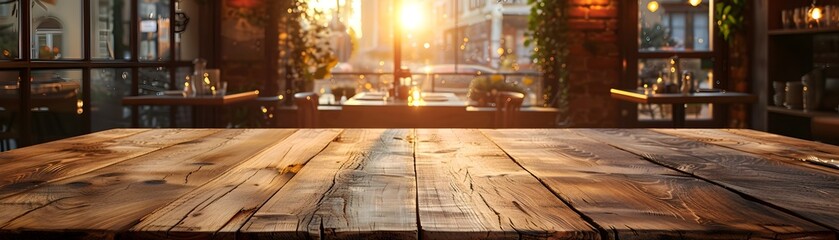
(631, 56)
(25, 64)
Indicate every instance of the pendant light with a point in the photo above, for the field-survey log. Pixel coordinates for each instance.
(695, 2)
(652, 6)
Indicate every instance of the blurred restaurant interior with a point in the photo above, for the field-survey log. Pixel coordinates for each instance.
(82, 66)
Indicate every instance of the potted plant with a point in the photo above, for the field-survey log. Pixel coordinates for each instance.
(483, 90)
(307, 40)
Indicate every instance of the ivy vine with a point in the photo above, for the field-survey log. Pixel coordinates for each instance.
(729, 17)
(548, 35)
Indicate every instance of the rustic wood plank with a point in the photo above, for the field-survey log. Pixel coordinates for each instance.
(794, 151)
(810, 146)
(27, 168)
(802, 191)
(764, 136)
(96, 137)
(361, 186)
(110, 200)
(469, 189)
(637, 199)
(219, 208)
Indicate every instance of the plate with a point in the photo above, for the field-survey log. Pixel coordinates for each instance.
(173, 93)
(370, 98)
(435, 99)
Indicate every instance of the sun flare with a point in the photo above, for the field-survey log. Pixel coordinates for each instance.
(412, 15)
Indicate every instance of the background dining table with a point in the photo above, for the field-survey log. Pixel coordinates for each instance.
(421, 183)
(207, 111)
(677, 101)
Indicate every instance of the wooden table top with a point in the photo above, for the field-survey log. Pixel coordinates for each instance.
(433, 183)
(190, 101)
(677, 98)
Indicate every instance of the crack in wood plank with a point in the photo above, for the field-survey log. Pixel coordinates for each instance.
(741, 173)
(634, 197)
(468, 188)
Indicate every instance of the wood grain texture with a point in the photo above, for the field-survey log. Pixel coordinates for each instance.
(27, 168)
(807, 146)
(802, 191)
(361, 186)
(219, 208)
(636, 199)
(764, 136)
(794, 151)
(469, 189)
(111, 199)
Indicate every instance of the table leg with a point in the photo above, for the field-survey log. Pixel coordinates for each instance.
(678, 115)
(195, 117)
(216, 117)
(208, 117)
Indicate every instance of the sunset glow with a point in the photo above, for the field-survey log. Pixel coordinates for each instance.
(412, 15)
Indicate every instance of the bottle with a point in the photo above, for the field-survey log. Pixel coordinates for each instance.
(199, 71)
(687, 83)
(530, 98)
(189, 87)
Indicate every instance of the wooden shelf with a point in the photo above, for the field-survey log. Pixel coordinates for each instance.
(787, 32)
(801, 113)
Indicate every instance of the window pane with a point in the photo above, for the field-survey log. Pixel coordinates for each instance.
(154, 30)
(57, 30)
(108, 87)
(110, 34)
(9, 30)
(674, 25)
(154, 81)
(56, 104)
(478, 36)
(659, 74)
(9, 110)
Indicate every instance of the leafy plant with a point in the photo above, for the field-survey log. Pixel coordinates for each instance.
(656, 37)
(548, 34)
(306, 40)
(483, 89)
(729, 17)
(8, 42)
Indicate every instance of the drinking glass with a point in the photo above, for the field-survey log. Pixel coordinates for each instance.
(798, 18)
(787, 19)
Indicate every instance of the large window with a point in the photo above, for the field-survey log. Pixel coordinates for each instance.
(66, 64)
(444, 43)
(674, 37)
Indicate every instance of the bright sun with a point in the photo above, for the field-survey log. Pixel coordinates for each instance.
(412, 15)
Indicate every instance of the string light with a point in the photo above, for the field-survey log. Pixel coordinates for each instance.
(652, 6)
(815, 12)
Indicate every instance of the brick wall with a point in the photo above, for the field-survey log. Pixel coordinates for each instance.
(594, 62)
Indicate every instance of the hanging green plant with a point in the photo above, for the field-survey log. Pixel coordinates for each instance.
(729, 17)
(548, 35)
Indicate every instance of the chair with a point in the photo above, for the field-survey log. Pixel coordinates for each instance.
(8, 133)
(507, 106)
(307, 109)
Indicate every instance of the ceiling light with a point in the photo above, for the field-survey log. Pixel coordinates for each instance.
(695, 2)
(652, 6)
